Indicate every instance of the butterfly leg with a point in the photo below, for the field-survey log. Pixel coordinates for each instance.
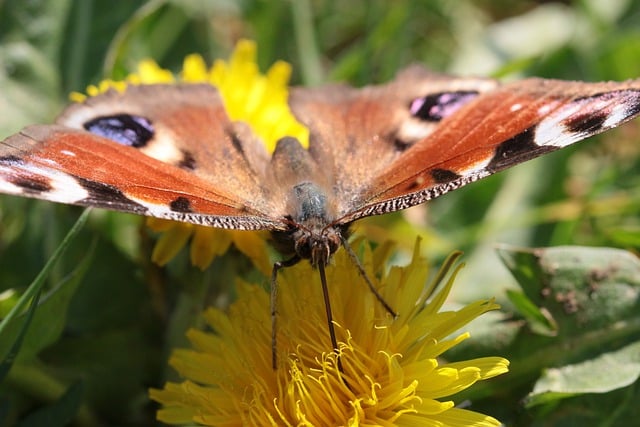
(274, 303)
(366, 278)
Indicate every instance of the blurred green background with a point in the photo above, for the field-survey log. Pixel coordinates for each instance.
(126, 314)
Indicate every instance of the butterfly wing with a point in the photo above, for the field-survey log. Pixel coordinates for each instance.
(193, 168)
(429, 134)
(378, 149)
(357, 133)
(497, 130)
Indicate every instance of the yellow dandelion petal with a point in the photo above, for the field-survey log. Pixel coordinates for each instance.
(452, 380)
(194, 69)
(208, 243)
(147, 72)
(77, 97)
(104, 86)
(244, 55)
(150, 72)
(259, 100)
(218, 72)
(433, 407)
(175, 414)
(170, 243)
(160, 224)
(135, 79)
(462, 418)
(278, 76)
(92, 90)
(488, 367)
(254, 246)
(229, 379)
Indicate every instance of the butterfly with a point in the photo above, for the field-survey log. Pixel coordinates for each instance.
(171, 151)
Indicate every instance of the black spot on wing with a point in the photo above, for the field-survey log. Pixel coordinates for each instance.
(592, 122)
(238, 147)
(125, 129)
(414, 185)
(181, 204)
(188, 161)
(437, 106)
(633, 103)
(11, 160)
(235, 142)
(32, 185)
(400, 145)
(586, 123)
(109, 197)
(517, 149)
(442, 176)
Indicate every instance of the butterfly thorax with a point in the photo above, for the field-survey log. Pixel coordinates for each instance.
(309, 212)
(311, 234)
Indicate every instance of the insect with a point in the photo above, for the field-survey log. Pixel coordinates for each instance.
(170, 151)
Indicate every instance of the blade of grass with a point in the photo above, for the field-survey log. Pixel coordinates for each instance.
(306, 42)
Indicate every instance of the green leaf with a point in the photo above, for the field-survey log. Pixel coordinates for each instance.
(48, 324)
(50, 318)
(591, 295)
(581, 288)
(59, 413)
(539, 321)
(626, 236)
(607, 372)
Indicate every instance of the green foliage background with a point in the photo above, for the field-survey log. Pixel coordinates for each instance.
(109, 318)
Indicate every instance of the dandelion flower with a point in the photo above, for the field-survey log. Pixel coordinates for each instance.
(391, 371)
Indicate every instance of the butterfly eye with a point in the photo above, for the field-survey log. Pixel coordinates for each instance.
(437, 106)
(125, 129)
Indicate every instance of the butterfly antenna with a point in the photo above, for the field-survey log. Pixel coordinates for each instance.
(274, 304)
(366, 278)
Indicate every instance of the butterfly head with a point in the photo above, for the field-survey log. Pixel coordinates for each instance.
(317, 247)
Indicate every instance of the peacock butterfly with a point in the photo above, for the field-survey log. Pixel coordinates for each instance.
(171, 151)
